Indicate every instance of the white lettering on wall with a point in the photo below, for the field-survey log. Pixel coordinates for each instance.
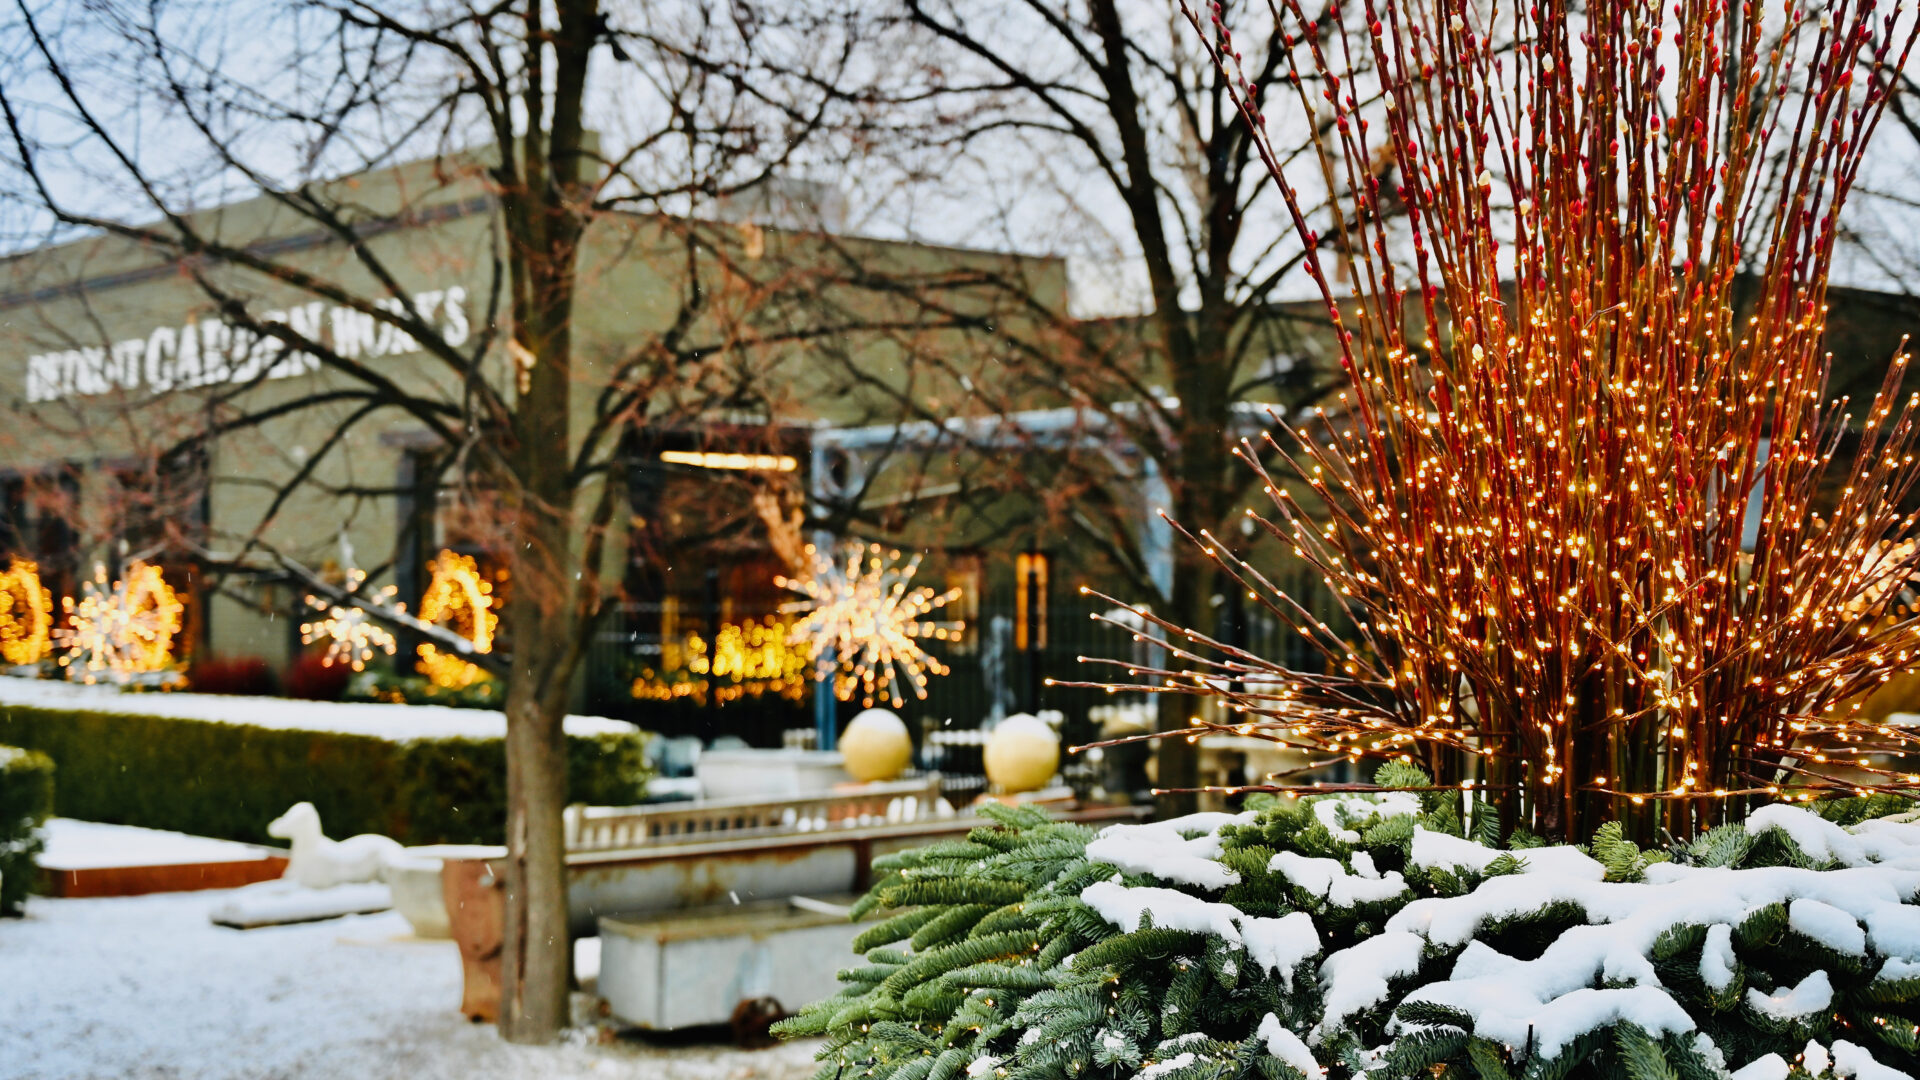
(208, 351)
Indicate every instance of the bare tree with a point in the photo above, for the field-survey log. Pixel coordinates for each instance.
(129, 123)
(1099, 129)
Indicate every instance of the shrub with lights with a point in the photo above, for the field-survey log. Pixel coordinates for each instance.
(750, 659)
(1583, 504)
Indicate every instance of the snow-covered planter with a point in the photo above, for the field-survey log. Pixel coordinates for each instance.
(1361, 936)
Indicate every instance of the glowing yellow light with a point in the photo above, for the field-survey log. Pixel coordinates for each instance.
(862, 616)
(26, 614)
(351, 637)
(119, 629)
(744, 462)
(460, 599)
(748, 659)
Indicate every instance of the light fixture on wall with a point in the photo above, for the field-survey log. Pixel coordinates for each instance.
(736, 462)
(1030, 600)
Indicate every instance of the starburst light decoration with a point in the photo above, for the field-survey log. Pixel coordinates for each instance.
(458, 598)
(863, 620)
(26, 614)
(351, 635)
(119, 629)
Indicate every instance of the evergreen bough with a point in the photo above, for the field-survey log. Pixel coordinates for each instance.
(988, 964)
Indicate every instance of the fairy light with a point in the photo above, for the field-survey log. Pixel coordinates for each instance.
(1531, 524)
(460, 599)
(119, 629)
(26, 614)
(745, 660)
(351, 635)
(864, 622)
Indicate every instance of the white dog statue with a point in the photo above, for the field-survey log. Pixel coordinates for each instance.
(319, 863)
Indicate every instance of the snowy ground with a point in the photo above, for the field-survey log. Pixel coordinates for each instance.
(146, 987)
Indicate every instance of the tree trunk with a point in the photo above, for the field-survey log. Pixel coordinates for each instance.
(1205, 480)
(1179, 760)
(537, 951)
(545, 623)
(544, 631)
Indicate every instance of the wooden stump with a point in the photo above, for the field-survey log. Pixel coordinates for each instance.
(476, 911)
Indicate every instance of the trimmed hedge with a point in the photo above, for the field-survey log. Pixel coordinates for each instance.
(26, 798)
(230, 780)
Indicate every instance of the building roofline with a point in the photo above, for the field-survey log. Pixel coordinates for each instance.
(277, 245)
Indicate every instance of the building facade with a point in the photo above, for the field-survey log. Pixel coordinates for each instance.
(157, 417)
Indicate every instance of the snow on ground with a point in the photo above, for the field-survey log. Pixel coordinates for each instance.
(88, 845)
(396, 722)
(146, 988)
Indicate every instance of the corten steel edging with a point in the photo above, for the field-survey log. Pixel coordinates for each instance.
(101, 881)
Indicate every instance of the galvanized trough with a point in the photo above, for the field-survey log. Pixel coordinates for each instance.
(688, 968)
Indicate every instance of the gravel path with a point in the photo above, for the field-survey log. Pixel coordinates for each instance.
(146, 987)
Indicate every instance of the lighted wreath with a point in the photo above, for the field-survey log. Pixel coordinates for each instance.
(461, 600)
(119, 629)
(26, 614)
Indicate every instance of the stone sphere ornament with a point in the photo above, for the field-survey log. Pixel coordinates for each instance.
(1023, 753)
(876, 746)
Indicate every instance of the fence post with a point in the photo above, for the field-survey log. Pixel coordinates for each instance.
(823, 709)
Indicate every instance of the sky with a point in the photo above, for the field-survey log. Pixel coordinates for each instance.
(1018, 188)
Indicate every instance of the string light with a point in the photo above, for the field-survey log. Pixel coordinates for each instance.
(461, 600)
(1572, 539)
(863, 619)
(749, 659)
(352, 637)
(119, 629)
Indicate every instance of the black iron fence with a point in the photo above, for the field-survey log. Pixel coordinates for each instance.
(697, 680)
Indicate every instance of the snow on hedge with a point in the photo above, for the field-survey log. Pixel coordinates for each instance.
(1595, 975)
(1278, 945)
(398, 723)
(1329, 878)
(1288, 1047)
(1169, 909)
(1336, 811)
(1183, 850)
(1551, 999)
